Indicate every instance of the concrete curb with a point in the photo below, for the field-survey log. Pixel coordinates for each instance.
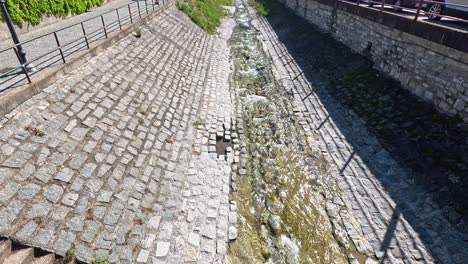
(9, 100)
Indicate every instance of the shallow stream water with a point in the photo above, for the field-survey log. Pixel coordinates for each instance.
(282, 219)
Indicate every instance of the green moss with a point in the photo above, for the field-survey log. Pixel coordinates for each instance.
(205, 13)
(32, 11)
(299, 212)
(248, 247)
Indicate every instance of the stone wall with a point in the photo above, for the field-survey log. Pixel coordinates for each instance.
(436, 72)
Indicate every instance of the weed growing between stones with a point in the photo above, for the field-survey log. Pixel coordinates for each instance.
(70, 255)
(137, 33)
(207, 13)
(198, 123)
(36, 131)
(281, 216)
(99, 261)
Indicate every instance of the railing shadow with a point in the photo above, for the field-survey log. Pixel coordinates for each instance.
(430, 148)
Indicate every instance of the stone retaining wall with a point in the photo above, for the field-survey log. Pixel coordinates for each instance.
(431, 61)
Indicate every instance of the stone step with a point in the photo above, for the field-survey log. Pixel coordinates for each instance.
(47, 259)
(22, 256)
(5, 249)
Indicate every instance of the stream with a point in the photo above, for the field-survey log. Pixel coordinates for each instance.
(279, 185)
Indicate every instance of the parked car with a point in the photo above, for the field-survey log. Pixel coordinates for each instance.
(398, 4)
(435, 9)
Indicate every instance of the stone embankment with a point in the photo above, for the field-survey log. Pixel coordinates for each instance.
(164, 148)
(118, 158)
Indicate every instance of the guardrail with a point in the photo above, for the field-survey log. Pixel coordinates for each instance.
(418, 8)
(122, 16)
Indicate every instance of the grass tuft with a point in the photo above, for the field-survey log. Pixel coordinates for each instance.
(69, 255)
(99, 261)
(207, 14)
(263, 7)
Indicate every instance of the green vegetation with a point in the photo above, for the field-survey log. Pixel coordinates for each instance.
(137, 33)
(249, 246)
(32, 11)
(99, 261)
(205, 13)
(70, 254)
(263, 7)
(35, 131)
(198, 123)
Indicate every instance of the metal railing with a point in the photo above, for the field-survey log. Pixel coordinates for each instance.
(417, 9)
(87, 32)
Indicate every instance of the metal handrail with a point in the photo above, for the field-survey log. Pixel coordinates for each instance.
(63, 50)
(418, 9)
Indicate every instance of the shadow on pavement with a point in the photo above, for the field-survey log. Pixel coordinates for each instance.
(431, 147)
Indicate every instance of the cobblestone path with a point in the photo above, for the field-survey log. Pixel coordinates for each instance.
(381, 208)
(119, 156)
(129, 156)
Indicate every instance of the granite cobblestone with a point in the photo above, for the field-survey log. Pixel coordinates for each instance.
(109, 157)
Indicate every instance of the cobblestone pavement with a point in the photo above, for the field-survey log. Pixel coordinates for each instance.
(382, 209)
(119, 156)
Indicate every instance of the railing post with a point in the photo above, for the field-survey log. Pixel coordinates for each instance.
(118, 18)
(146, 6)
(84, 34)
(14, 36)
(25, 71)
(130, 12)
(382, 6)
(152, 3)
(60, 48)
(419, 10)
(138, 4)
(104, 26)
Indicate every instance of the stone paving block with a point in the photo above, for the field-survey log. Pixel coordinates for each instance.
(110, 172)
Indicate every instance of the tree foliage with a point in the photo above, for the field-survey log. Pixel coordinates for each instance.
(32, 11)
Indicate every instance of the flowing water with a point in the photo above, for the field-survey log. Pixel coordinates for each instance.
(278, 189)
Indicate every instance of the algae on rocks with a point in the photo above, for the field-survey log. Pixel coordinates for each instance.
(281, 210)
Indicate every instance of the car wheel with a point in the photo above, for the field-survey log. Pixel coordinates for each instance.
(395, 8)
(433, 11)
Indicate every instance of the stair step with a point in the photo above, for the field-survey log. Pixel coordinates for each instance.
(22, 256)
(47, 259)
(5, 250)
